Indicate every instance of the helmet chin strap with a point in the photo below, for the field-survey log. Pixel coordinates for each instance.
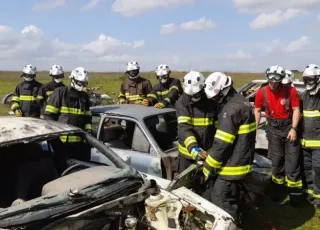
(315, 90)
(75, 86)
(58, 80)
(28, 79)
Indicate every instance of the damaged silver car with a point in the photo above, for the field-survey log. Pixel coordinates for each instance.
(47, 188)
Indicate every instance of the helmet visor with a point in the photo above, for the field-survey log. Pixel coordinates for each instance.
(274, 77)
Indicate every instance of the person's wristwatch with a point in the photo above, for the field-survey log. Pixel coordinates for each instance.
(294, 128)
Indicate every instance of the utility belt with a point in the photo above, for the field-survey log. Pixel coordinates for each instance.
(279, 123)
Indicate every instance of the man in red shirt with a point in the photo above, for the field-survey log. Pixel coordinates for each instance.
(282, 107)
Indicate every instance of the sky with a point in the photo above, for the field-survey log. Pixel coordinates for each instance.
(202, 35)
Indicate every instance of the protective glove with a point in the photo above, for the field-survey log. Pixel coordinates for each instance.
(138, 102)
(159, 105)
(18, 113)
(146, 102)
(121, 101)
(198, 154)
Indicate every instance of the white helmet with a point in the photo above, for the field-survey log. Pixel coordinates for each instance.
(193, 83)
(56, 71)
(289, 78)
(29, 72)
(216, 83)
(275, 73)
(79, 78)
(133, 69)
(311, 78)
(163, 73)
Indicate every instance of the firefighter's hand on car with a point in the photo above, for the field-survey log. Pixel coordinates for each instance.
(198, 154)
(121, 101)
(18, 113)
(146, 102)
(138, 102)
(292, 136)
(159, 105)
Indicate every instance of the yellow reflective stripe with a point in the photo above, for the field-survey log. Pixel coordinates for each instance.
(184, 119)
(294, 184)
(51, 109)
(224, 136)
(70, 138)
(317, 196)
(311, 113)
(184, 151)
(247, 128)
(165, 92)
(152, 96)
(121, 95)
(88, 127)
(27, 98)
(48, 93)
(69, 110)
(310, 143)
(189, 140)
(40, 97)
(198, 121)
(167, 99)
(14, 106)
(212, 162)
(15, 98)
(309, 191)
(88, 113)
(234, 170)
(206, 172)
(277, 180)
(134, 97)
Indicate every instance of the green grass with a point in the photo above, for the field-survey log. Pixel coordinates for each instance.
(282, 218)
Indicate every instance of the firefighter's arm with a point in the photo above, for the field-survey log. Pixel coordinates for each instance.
(122, 95)
(186, 135)
(41, 95)
(15, 102)
(148, 87)
(52, 110)
(152, 97)
(174, 93)
(295, 103)
(222, 147)
(88, 116)
(258, 106)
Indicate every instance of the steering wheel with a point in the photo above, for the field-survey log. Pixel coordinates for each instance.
(71, 168)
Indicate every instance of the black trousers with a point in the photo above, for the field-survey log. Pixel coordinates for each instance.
(226, 195)
(285, 157)
(311, 166)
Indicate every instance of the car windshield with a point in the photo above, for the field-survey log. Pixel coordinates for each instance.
(25, 168)
(164, 128)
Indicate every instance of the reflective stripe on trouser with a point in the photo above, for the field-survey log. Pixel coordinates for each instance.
(70, 139)
(311, 165)
(285, 157)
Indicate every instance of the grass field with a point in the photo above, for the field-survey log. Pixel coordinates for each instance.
(282, 218)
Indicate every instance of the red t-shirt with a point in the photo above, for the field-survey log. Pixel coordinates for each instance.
(276, 101)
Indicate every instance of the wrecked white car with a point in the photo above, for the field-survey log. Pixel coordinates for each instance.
(61, 192)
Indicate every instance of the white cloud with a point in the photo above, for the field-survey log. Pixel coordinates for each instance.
(318, 18)
(130, 8)
(106, 53)
(49, 5)
(200, 24)
(91, 4)
(275, 18)
(239, 55)
(168, 28)
(259, 6)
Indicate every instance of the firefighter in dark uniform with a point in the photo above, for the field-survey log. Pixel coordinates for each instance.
(57, 74)
(282, 109)
(135, 88)
(311, 132)
(71, 105)
(196, 115)
(166, 92)
(232, 154)
(24, 102)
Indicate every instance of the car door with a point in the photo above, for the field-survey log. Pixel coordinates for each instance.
(133, 142)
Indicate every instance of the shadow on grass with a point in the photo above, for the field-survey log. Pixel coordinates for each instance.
(279, 217)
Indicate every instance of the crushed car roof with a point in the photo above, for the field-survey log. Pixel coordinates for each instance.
(137, 111)
(13, 129)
